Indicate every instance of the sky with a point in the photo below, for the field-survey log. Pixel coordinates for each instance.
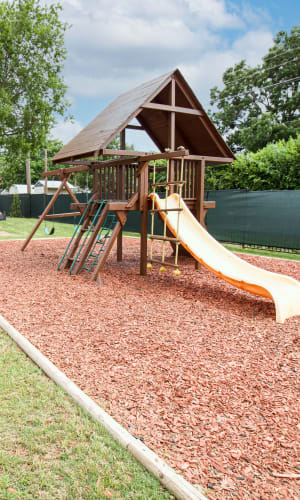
(115, 45)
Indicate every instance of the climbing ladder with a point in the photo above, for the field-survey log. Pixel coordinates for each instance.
(92, 240)
(100, 243)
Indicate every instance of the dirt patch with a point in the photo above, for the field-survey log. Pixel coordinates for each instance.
(198, 370)
(4, 233)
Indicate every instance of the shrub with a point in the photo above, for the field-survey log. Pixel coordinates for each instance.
(15, 208)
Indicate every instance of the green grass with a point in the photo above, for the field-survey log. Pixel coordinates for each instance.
(51, 449)
(264, 253)
(20, 228)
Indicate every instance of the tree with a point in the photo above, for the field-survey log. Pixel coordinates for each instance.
(261, 104)
(32, 55)
(12, 163)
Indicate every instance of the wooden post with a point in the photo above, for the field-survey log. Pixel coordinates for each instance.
(48, 207)
(201, 200)
(171, 138)
(143, 195)
(28, 174)
(121, 187)
(199, 188)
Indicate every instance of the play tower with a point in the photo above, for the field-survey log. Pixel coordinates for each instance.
(169, 112)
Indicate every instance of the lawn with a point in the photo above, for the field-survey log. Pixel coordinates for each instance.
(14, 228)
(19, 228)
(51, 449)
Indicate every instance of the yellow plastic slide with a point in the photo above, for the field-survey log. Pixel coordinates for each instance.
(283, 290)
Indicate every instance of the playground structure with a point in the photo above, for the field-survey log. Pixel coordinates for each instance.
(167, 109)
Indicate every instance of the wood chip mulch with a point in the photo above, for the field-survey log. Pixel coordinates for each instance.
(198, 370)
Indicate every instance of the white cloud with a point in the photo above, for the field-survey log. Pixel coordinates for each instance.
(115, 45)
(215, 13)
(65, 131)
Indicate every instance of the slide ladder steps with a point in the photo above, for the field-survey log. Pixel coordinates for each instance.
(100, 242)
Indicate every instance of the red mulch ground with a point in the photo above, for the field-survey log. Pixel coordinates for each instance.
(195, 368)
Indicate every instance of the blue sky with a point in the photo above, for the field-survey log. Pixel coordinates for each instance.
(114, 45)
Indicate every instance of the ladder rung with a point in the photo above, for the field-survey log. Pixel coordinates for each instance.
(164, 238)
(173, 183)
(166, 210)
(154, 261)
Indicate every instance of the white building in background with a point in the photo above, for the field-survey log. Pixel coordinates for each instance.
(52, 187)
(38, 188)
(16, 189)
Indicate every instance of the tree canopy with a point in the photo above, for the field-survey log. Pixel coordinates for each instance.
(261, 104)
(12, 163)
(32, 55)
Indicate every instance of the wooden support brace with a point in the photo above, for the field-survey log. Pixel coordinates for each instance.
(45, 212)
(105, 254)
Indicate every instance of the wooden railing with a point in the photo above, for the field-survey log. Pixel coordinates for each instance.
(120, 182)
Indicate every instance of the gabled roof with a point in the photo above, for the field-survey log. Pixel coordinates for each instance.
(194, 131)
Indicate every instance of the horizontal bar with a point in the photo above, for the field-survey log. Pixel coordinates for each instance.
(155, 261)
(122, 152)
(60, 216)
(173, 183)
(213, 159)
(166, 210)
(176, 109)
(163, 238)
(85, 166)
(135, 127)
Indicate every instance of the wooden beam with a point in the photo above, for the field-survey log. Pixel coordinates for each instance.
(45, 212)
(143, 206)
(201, 194)
(60, 216)
(202, 119)
(106, 252)
(175, 109)
(133, 200)
(115, 162)
(122, 216)
(171, 131)
(135, 127)
(212, 159)
(120, 152)
(65, 171)
(113, 206)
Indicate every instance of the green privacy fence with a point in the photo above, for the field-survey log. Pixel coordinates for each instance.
(260, 218)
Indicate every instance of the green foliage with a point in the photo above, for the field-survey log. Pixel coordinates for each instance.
(15, 209)
(12, 163)
(277, 166)
(32, 54)
(261, 104)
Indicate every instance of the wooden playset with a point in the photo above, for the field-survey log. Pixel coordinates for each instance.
(169, 112)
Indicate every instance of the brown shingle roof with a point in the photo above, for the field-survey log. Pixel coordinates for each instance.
(198, 134)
